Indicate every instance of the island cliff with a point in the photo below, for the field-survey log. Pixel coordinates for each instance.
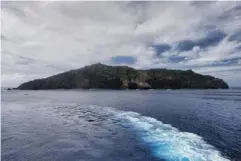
(102, 76)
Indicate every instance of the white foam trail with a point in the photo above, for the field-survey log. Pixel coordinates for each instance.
(165, 141)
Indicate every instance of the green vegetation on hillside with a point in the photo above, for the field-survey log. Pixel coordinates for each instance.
(123, 77)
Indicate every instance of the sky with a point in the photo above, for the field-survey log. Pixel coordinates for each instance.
(39, 39)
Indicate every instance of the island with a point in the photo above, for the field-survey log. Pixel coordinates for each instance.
(101, 76)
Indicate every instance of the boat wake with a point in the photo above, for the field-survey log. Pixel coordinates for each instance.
(167, 142)
(164, 141)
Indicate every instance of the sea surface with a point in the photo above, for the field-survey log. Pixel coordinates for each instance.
(121, 125)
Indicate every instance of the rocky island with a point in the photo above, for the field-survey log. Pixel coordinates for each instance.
(100, 76)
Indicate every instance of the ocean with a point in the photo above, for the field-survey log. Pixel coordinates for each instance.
(121, 125)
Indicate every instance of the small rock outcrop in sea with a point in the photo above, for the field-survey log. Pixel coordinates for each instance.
(100, 76)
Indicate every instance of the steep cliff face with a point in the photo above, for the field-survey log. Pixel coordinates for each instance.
(121, 77)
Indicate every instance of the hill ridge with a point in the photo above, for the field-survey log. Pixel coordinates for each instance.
(124, 77)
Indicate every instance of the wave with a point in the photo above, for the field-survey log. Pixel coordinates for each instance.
(165, 141)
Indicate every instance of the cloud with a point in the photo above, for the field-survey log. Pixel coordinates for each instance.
(44, 38)
(176, 59)
(123, 60)
(161, 48)
(185, 45)
(236, 36)
(212, 38)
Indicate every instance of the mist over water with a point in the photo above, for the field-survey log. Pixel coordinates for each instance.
(185, 125)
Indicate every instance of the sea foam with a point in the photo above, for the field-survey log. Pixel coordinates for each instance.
(167, 142)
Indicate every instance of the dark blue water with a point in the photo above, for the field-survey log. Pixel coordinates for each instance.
(171, 125)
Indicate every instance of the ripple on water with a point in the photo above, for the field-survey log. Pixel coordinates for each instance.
(165, 141)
